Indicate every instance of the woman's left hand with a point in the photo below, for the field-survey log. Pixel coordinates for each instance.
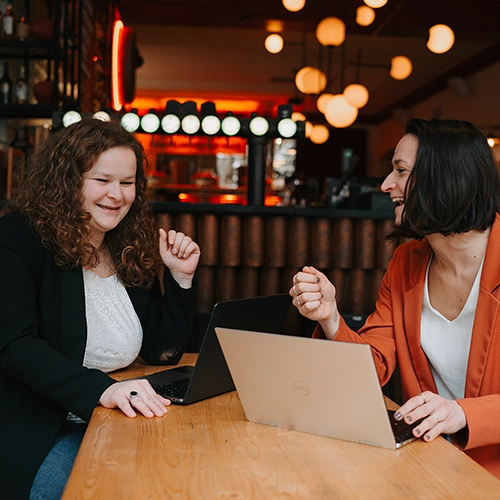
(440, 415)
(181, 255)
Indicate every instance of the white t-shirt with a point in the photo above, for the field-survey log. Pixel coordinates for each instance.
(114, 332)
(447, 343)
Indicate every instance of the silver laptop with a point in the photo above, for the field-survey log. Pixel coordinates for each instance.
(311, 385)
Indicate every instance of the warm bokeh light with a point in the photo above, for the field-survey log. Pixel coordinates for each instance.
(365, 15)
(310, 80)
(294, 5)
(274, 43)
(323, 101)
(375, 4)
(356, 95)
(441, 39)
(331, 32)
(339, 112)
(309, 129)
(319, 134)
(401, 68)
(298, 117)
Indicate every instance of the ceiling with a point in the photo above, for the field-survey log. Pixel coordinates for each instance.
(214, 49)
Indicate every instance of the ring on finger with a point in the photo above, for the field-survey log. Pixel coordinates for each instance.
(435, 416)
(294, 279)
(133, 395)
(423, 398)
(298, 302)
(295, 290)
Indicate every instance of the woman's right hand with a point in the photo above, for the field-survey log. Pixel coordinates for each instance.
(147, 401)
(315, 298)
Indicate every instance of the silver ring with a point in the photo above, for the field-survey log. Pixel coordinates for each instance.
(133, 395)
(294, 290)
(294, 279)
(298, 302)
(432, 415)
(423, 397)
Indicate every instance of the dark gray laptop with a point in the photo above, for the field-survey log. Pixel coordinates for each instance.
(210, 376)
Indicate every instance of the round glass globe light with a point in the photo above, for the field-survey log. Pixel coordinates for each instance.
(310, 80)
(298, 117)
(230, 125)
(102, 115)
(130, 122)
(375, 4)
(170, 123)
(319, 134)
(356, 95)
(323, 101)
(274, 43)
(190, 124)
(210, 124)
(331, 31)
(401, 68)
(365, 15)
(71, 117)
(287, 127)
(294, 5)
(441, 39)
(339, 112)
(150, 123)
(259, 126)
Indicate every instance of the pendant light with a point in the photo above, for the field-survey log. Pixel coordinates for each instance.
(331, 32)
(356, 95)
(401, 68)
(294, 5)
(339, 112)
(274, 43)
(441, 39)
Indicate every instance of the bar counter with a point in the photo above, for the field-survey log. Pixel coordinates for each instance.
(255, 250)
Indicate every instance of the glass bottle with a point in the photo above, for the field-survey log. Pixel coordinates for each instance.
(8, 23)
(23, 29)
(5, 86)
(21, 89)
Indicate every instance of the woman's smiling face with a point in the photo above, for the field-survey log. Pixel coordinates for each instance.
(109, 190)
(403, 160)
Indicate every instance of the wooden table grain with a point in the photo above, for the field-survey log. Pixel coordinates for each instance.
(208, 450)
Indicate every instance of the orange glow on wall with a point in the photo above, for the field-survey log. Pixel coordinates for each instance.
(117, 67)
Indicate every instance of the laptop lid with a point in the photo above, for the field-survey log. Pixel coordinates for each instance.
(310, 385)
(211, 376)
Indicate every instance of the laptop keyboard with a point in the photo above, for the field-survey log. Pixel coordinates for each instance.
(173, 389)
(402, 431)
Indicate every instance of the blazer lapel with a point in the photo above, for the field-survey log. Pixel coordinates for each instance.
(487, 311)
(413, 301)
(73, 320)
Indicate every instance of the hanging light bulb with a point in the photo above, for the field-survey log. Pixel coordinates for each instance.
(331, 31)
(323, 101)
(309, 129)
(310, 80)
(365, 15)
(294, 5)
(130, 121)
(401, 68)
(375, 4)
(319, 134)
(339, 112)
(274, 43)
(298, 117)
(356, 95)
(441, 39)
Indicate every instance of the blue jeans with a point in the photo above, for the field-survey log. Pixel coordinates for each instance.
(54, 472)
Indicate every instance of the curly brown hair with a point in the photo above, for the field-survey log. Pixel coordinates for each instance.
(51, 197)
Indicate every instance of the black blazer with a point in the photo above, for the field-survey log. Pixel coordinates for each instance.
(43, 334)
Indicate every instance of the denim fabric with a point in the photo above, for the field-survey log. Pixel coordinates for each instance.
(54, 472)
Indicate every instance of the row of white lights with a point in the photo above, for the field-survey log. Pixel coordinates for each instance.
(190, 124)
(341, 110)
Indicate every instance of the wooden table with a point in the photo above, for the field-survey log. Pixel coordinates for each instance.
(208, 450)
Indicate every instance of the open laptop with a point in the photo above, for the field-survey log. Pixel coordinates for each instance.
(311, 385)
(210, 376)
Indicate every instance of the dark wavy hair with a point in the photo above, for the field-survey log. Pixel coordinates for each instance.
(51, 197)
(454, 185)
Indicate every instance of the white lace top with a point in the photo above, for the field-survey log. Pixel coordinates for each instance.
(114, 333)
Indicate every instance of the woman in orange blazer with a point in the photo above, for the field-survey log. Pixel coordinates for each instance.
(438, 314)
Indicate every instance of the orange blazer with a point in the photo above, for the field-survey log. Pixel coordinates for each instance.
(393, 332)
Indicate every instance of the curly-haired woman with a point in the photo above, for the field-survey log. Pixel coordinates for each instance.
(83, 292)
